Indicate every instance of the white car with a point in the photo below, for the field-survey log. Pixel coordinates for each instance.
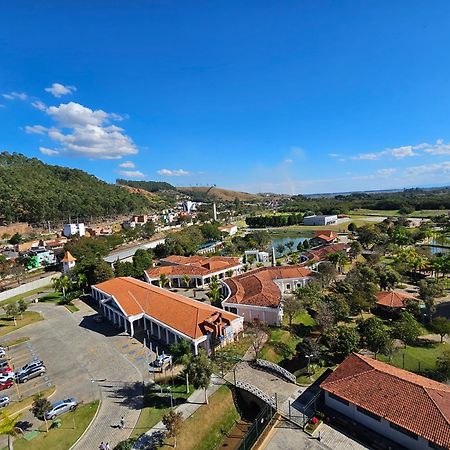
(5, 376)
(4, 401)
(2, 352)
(162, 360)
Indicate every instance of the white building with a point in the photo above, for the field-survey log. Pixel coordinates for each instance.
(258, 294)
(230, 229)
(71, 229)
(260, 257)
(320, 220)
(68, 262)
(161, 315)
(411, 410)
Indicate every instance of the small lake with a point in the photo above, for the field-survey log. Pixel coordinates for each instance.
(438, 243)
(284, 240)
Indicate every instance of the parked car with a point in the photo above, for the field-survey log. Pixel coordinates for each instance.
(5, 376)
(4, 401)
(2, 352)
(34, 372)
(4, 364)
(6, 385)
(61, 407)
(162, 360)
(29, 366)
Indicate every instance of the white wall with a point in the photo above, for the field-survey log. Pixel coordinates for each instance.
(270, 316)
(22, 289)
(382, 427)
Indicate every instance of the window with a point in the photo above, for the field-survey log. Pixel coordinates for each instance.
(403, 430)
(368, 413)
(339, 399)
(233, 310)
(288, 287)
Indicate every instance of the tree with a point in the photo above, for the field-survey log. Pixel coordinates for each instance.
(15, 239)
(325, 316)
(22, 306)
(388, 278)
(200, 370)
(39, 407)
(102, 271)
(300, 247)
(290, 245)
(280, 248)
(8, 426)
(407, 329)
(441, 326)
(309, 295)
(338, 259)
(142, 260)
(306, 244)
(12, 310)
(375, 335)
(186, 280)
(181, 353)
(173, 421)
(229, 273)
(260, 333)
(342, 341)
(294, 258)
(62, 284)
(163, 281)
(327, 273)
(81, 281)
(355, 249)
(351, 227)
(291, 306)
(443, 363)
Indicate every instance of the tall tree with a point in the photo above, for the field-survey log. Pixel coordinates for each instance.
(441, 326)
(8, 426)
(200, 370)
(407, 329)
(186, 280)
(291, 306)
(39, 407)
(173, 421)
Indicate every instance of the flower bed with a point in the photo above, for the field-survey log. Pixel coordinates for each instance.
(312, 425)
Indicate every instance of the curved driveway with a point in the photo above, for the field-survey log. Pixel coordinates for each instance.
(83, 361)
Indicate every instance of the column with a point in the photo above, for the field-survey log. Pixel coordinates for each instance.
(145, 323)
(195, 349)
(151, 327)
(131, 329)
(167, 336)
(125, 327)
(159, 332)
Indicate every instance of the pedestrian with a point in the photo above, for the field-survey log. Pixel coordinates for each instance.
(107, 447)
(122, 422)
(102, 446)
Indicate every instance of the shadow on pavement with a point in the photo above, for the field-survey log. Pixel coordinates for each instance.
(104, 328)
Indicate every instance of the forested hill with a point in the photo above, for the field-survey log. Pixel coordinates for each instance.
(35, 192)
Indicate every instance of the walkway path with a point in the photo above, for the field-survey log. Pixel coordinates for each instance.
(187, 409)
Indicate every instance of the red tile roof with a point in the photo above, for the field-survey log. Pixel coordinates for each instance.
(183, 314)
(326, 235)
(258, 287)
(68, 257)
(193, 265)
(393, 299)
(410, 401)
(321, 253)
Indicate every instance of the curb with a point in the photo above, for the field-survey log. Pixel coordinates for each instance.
(89, 426)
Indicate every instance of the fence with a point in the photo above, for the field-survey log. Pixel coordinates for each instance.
(27, 287)
(277, 369)
(257, 427)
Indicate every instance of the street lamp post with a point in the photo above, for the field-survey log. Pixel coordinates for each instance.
(309, 362)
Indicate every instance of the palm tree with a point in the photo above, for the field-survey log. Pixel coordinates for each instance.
(229, 273)
(186, 280)
(81, 281)
(294, 258)
(8, 426)
(280, 248)
(164, 281)
(290, 245)
(62, 284)
(338, 259)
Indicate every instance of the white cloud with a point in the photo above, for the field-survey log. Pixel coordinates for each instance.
(36, 129)
(386, 172)
(402, 152)
(173, 173)
(367, 156)
(440, 148)
(334, 155)
(288, 161)
(48, 151)
(127, 165)
(58, 90)
(14, 95)
(81, 131)
(41, 106)
(132, 173)
(430, 169)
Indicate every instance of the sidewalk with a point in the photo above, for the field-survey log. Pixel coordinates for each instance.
(187, 409)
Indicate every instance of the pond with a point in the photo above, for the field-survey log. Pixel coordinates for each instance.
(284, 240)
(440, 245)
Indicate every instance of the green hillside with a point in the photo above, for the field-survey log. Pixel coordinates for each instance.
(35, 192)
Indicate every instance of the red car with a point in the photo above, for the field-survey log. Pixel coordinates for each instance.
(6, 385)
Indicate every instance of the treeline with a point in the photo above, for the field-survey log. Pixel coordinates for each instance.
(150, 186)
(405, 201)
(31, 191)
(276, 220)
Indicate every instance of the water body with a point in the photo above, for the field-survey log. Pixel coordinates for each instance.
(284, 240)
(441, 245)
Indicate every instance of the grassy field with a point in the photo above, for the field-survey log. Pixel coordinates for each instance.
(156, 407)
(16, 298)
(72, 426)
(226, 358)
(208, 426)
(13, 342)
(281, 345)
(425, 355)
(392, 213)
(26, 402)
(7, 323)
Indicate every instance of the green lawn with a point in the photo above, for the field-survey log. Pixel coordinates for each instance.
(281, 345)
(27, 402)
(51, 297)
(156, 406)
(7, 323)
(392, 213)
(303, 318)
(227, 357)
(209, 425)
(425, 355)
(72, 426)
(18, 297)
(13, 342)
(308, 379)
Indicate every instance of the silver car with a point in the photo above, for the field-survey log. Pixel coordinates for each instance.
(4, 401)
(24, 376)
(61, 407)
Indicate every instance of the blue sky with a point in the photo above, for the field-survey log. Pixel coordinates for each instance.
(291, 96)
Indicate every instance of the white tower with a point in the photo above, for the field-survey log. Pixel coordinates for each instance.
(274, 260)
(214, 212)
(68, 262)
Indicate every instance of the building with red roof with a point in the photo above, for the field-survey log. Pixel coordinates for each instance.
(200, 269)
(134, 305)
(409, 409)
(393, 299)
(257, 295)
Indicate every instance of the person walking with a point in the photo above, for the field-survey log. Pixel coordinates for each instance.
(102, 446)
(107, 447)
(122, 422)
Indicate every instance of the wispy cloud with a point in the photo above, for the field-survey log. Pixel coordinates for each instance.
(386, 172)
(173, 172)
(15, 95)
(429, 169)
(58, 89)
(48, 151)
(132, 173)
(36, 129)
(127, 165)
(41, 106)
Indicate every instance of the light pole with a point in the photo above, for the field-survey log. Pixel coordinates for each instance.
(309, 362)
